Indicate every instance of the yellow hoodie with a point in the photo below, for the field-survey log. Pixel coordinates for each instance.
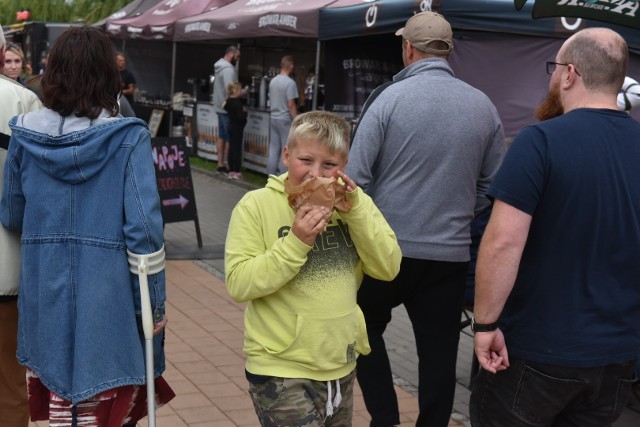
(302, 320)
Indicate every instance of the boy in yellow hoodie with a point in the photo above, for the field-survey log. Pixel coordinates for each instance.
(299, 270)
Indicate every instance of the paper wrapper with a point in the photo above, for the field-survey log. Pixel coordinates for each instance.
(318, 191)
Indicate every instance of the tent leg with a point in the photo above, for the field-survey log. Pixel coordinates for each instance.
(173, 83)
(314, 101)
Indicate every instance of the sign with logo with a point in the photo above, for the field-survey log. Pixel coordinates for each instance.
(207, 128)
(620, 12)
(358, 70)
(173, 175)
(256, 141)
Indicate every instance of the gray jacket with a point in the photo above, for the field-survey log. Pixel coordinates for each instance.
(425, 151)
(225, 73)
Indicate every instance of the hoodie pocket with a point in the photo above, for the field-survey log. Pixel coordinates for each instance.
(327, 342)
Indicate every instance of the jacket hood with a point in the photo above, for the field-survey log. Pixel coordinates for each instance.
(82, 148)
(221, 64)
(277, 182)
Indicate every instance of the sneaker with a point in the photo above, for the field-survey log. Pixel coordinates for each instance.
(233, 175)
(223, 170)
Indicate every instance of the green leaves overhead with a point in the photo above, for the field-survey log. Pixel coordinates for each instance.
(87, 11)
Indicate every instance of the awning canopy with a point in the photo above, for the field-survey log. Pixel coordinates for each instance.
(157, 23)
(253, 18)
(135, 8)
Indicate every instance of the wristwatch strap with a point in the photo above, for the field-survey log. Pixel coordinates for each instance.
(482, 327)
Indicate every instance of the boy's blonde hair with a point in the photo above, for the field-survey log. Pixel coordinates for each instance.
(234, 88)
(322, 127)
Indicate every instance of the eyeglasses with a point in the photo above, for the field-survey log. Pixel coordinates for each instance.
(551, 67)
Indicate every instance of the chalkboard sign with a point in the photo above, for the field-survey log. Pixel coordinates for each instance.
(154, 122)
(175, 185)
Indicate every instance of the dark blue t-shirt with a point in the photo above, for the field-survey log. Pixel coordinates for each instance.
(576, 300)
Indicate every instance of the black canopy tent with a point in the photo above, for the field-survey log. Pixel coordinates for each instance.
(497, 49)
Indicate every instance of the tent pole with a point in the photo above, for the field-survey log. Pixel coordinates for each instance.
(173, 81)
(239, 45)
(314, 102)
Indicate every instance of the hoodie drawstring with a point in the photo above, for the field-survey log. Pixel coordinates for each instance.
(337, 399)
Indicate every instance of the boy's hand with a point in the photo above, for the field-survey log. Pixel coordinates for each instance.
(349, 184)
(309, 222)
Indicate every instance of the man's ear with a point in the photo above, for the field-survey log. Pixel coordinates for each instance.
(409, 49)
(570, 77)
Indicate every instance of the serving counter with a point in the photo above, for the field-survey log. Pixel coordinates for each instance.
(255, 139)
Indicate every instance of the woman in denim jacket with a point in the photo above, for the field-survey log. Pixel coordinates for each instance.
(79, 183)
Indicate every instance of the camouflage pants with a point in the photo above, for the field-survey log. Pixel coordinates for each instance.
(295, 402)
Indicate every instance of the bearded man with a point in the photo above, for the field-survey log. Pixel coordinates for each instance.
(557, 304)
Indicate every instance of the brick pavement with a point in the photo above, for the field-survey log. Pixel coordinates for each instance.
(205, 363)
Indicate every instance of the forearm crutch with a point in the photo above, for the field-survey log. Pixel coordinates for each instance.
(143, 265)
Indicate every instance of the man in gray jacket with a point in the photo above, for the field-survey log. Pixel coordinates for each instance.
(14, 408)
(225, 72)
(425, 150)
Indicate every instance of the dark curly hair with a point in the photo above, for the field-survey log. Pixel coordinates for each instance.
(81, 76)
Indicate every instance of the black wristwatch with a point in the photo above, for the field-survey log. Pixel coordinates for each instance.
(482, 327)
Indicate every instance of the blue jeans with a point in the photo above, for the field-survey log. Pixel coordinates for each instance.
(223, 127)
(534, 394)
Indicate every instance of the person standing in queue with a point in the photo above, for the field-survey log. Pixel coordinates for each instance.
(224, 73)
(283, 93)
(236, 107)
(425, 150)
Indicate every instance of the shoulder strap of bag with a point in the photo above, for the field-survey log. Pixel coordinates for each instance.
(376, 92)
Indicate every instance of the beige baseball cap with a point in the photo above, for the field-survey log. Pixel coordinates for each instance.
(427, 27)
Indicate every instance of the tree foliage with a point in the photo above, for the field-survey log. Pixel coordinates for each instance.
(87, 11)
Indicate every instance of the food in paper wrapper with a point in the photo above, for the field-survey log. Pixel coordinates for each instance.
(318, 191)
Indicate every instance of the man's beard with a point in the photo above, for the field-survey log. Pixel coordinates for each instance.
(551, 107)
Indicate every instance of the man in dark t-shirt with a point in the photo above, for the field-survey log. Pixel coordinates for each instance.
(556, 314)
(128, 81)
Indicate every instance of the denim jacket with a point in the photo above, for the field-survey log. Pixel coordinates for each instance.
(81, 192)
